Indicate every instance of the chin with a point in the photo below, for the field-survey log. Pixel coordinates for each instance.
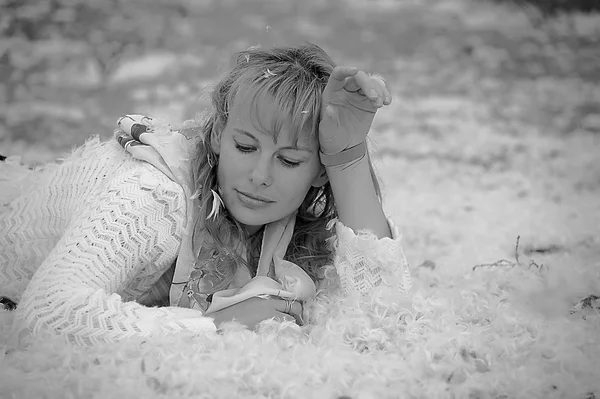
(253, 218)
(247, 217)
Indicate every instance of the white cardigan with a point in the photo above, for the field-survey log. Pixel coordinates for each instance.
(83, 240)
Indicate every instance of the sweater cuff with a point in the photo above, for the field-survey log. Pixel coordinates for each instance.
(184, 319)
(364, 261)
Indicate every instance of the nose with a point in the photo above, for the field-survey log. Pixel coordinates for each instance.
(260, 174)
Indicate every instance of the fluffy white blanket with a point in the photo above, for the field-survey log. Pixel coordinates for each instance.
(502, 331)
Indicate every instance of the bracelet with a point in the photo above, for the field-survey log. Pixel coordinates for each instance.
(344, 157)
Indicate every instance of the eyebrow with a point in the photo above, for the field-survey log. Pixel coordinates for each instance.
(291, 147)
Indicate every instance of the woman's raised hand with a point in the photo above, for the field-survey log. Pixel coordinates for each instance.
(254, 310)
(350, 101)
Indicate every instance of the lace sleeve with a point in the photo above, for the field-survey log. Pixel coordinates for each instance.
(132, 227)
(362, 261)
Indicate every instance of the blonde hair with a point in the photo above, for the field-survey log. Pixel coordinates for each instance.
(294, 77)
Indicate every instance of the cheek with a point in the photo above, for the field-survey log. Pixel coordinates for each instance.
(230, 165)
(295, 186)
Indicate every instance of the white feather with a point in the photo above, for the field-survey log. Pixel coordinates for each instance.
(216, 205)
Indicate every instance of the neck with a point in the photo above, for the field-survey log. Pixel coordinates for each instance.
(252, 230)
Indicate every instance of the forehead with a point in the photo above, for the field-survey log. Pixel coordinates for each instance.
(259, 111)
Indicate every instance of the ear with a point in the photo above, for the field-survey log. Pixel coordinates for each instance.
(321, 178)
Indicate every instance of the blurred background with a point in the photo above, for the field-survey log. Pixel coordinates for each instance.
(493, 131)
(69, 68)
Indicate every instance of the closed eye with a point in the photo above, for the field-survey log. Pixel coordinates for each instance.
(288, 163)
(245, 148)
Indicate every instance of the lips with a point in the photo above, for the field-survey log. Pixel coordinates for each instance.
(256, 197)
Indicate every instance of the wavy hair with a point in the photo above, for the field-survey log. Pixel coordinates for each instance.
(294, 78)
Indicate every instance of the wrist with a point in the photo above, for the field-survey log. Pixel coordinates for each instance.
(348, 171)
(344, 158)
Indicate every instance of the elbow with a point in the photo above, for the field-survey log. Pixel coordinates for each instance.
(38, 314)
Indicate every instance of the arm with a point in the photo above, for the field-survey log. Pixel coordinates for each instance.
(133, 225)
(347, 115)
(368, 252)
(368, 249)
(353, 190)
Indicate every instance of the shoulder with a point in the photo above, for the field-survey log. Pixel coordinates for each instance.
(139, 180)
(124, 179)
(117, 179)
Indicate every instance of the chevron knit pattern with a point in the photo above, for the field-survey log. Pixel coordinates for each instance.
(88, 239)
(364, 262)
(91, 235)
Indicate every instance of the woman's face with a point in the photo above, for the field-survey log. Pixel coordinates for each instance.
(262, 180)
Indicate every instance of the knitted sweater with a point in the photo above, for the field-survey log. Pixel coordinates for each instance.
(85, 239)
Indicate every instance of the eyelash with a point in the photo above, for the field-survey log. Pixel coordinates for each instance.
(247, 149)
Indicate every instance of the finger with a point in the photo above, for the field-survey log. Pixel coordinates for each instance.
(337, 80)
(371, 86)
(287, 317)
(282, 306)
(295, 310)
(378, 84)
(387, 97)
(353, 87)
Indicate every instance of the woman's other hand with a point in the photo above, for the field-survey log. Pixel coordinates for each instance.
(255, 310)
(350, 101)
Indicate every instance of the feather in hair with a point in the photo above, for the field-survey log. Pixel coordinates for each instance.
(216, 205)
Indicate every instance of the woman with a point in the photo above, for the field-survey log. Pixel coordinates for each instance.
(228, 219)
